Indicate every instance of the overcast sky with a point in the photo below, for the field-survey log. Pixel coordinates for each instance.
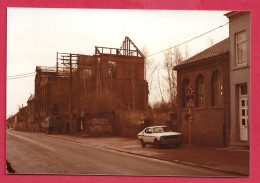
(34, 35)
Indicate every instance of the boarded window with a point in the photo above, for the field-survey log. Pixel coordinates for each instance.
(200, 91)
(87, 73)
(185, 98)
(216, 89)
(112, 69)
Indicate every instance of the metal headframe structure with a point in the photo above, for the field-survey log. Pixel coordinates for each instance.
(128, 48)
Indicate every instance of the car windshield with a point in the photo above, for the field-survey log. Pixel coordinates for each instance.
(161, 129)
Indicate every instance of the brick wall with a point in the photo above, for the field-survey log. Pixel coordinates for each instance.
(211, 124)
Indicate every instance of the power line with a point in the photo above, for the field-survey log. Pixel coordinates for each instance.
(188, 40)
(27, 74)
(23, 76)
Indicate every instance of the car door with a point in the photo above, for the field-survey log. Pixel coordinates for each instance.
(148, 135)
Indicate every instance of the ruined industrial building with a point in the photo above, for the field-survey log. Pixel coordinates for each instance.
(73, 88)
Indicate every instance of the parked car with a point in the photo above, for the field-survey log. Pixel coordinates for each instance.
(159, 135)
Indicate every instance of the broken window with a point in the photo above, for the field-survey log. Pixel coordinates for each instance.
(216, 89)
(199, 91)
(240, 39)
(112, 69)
(185, 98)
(87, 73)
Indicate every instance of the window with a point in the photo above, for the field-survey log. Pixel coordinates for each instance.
(112, 69)
(216, 89)
(149, 130)
(199, 91)
(185, 98)
(240, 39)
(243, 90)
(87, 73)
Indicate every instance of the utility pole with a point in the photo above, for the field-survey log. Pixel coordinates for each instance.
(70, 61)
(71, 110)
(57, 63)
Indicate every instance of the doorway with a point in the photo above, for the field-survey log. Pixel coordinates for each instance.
(243, 112)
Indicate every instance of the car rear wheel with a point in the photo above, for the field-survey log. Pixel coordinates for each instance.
(143, 144)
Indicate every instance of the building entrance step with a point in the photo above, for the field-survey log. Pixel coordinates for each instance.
(240, 145)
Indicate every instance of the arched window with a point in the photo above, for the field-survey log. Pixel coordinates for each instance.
(216, 89)
(199, 91)
(185, 85)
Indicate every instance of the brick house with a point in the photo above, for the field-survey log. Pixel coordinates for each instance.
(239, 33)
(208, 74)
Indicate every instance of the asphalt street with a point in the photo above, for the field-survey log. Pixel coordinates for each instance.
(30, 153)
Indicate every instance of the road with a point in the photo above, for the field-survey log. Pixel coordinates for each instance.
(38, 154)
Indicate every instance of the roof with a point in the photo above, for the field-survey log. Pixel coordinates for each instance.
(30, 98)
(218, 49)
(231, 13)
(235, 13)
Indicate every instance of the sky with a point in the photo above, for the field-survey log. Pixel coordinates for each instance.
(34, 35)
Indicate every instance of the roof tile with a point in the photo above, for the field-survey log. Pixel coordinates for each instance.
(218, 49)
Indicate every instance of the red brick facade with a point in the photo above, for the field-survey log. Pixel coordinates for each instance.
(208, 74)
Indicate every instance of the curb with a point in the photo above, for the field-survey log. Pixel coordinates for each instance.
(183, 162)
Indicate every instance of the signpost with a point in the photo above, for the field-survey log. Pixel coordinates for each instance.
(190, 103)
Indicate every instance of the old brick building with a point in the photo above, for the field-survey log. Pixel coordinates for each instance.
(115, 74)
(63, 89)
(118, 70)
(31, 109)
(208, 74)
(51, 93)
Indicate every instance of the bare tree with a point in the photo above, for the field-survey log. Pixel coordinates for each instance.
(150, 69)
(160, 88)
(171, 59)
(211, 41)
(105, 101)
(186, 52)
(147, 62)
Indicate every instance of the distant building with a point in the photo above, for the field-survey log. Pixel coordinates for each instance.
(31, 109)
(239, 33)
(51, 93)
(21, 119)
(11, 121)
(208, 74)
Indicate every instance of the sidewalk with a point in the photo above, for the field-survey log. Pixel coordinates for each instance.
(223, 159)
